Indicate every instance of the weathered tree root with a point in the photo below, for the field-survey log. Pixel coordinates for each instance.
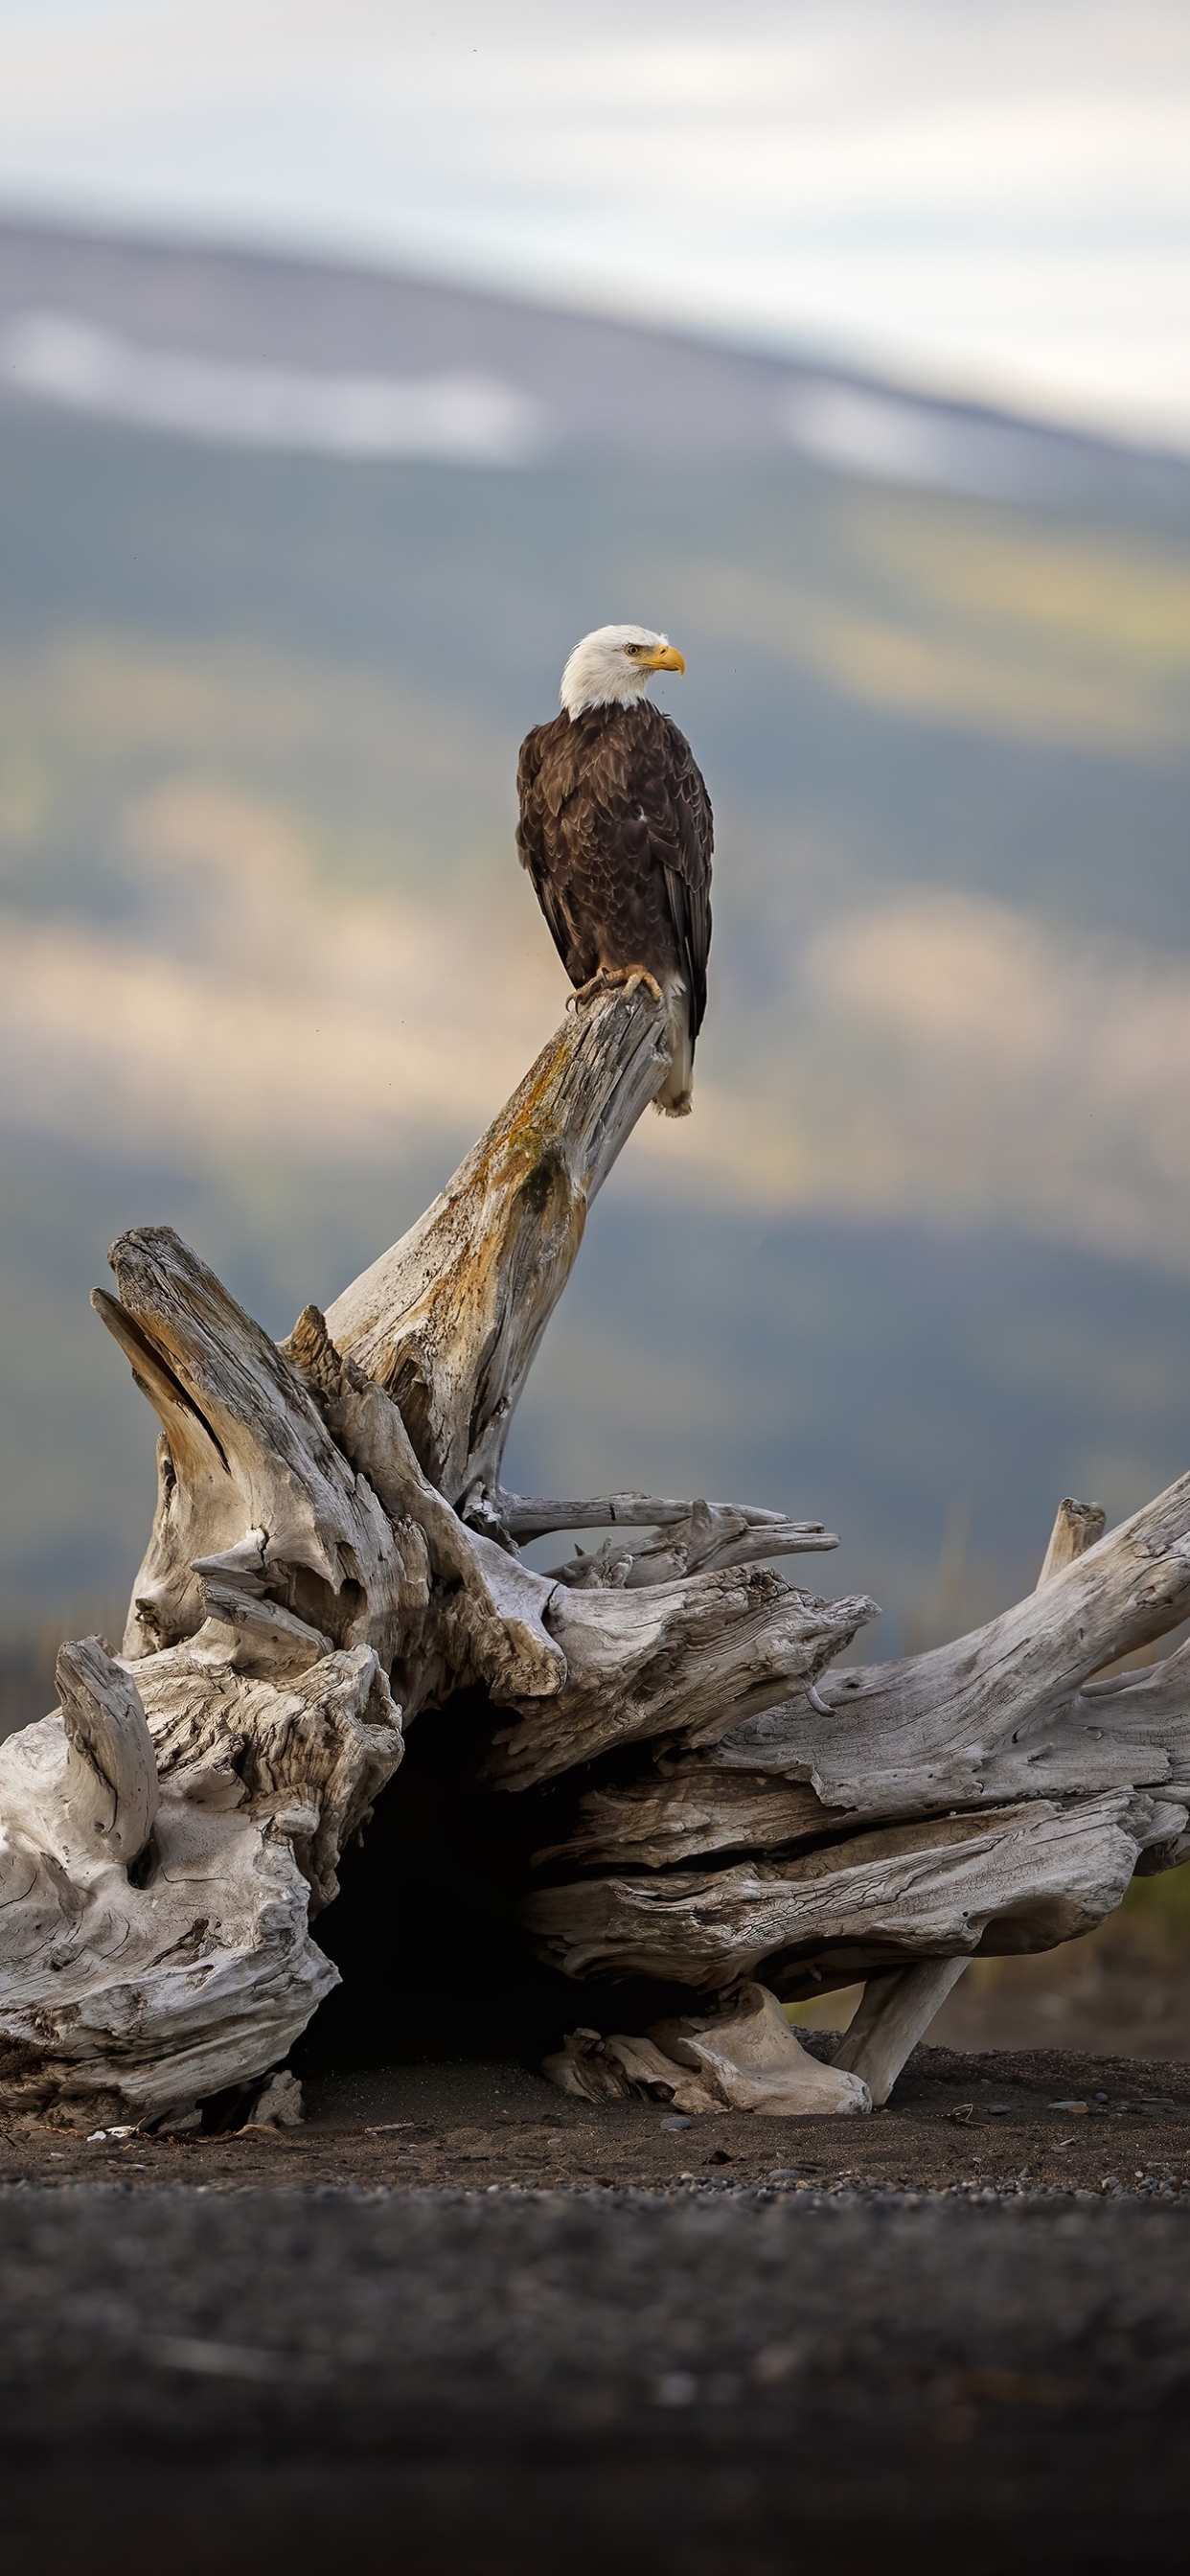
(716, 1800)
(742, 2059)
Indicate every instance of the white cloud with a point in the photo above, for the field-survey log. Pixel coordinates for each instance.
(998, 193)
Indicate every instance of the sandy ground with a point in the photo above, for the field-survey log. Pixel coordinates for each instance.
(458, 2322)
(956, 2124)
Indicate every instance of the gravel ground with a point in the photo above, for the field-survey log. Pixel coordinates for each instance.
(960, 2124)
(943, 2334)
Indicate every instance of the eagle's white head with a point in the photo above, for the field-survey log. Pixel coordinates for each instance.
(613, 667)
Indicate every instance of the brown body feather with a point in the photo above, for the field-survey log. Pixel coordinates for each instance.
(616, 832)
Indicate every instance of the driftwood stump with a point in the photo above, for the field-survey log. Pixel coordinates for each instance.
(334, 1556)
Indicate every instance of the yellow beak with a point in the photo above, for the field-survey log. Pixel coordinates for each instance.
(666, 658)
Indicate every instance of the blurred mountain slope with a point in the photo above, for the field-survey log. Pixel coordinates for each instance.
(267, 962)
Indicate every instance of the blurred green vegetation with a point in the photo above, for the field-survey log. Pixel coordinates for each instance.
(1157, 1912)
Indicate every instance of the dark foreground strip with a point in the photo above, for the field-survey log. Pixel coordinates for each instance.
(431, 2383)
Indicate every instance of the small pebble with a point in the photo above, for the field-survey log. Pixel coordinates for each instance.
(680, 2120)
(1066, 2106)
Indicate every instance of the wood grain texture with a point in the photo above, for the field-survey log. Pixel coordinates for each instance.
(1018, 1878)
(131, 1997)
(897, 2007)
(684, 1662)
(450, 1320)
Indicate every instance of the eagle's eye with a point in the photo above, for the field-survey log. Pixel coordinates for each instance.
(634, 648)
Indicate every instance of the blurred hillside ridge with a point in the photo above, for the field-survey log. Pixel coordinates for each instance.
(920, 1262)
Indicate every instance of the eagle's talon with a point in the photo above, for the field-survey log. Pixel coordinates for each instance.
(631, 978)
(596, 983)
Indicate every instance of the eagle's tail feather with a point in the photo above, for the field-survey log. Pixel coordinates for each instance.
(674, 1098)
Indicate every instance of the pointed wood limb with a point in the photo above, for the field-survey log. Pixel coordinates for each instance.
(112, 1776)
(711, 1534)
(895, 2011)
(1078, 1526)
(251, 1486)
(449, 1321)
(523, 1516)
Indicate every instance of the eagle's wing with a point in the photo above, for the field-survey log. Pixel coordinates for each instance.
(530, 837)
(684, 844)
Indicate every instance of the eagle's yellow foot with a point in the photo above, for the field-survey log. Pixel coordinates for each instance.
(632, 977)
(596, 983)
(608, 978)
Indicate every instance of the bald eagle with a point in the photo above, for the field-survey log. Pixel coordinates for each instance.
(616, 830)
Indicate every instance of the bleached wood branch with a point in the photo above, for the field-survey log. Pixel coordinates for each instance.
(524, 1517)
(1005, 1712)
(251, 1488)
(708, 1535)
(683, 1808)
(111, 1768)
(895, 2010)
(1016, 1878)
(478, 1615)
(450, 1320)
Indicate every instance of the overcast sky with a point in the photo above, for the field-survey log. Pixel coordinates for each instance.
(988, 193)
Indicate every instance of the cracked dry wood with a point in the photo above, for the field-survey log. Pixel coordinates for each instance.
(154, 1940)
(1018, 1878)
(1006, 1710)
(252, 1490)
(896, 2008)
(718, 1801)
(449, 1321)
(685, 1661)
(949, 1879)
